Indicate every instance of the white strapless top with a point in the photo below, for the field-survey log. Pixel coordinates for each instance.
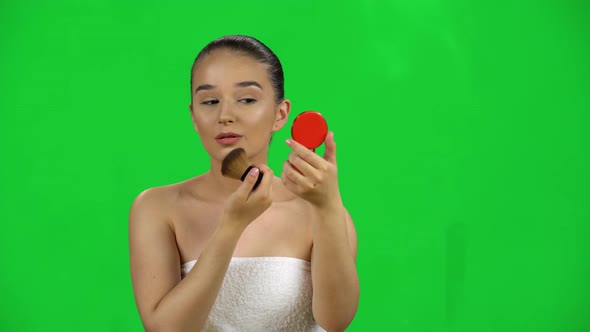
(263, 294)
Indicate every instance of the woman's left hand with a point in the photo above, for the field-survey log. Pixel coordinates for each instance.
(312, 177)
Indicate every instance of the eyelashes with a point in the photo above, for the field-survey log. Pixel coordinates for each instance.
(246, 101)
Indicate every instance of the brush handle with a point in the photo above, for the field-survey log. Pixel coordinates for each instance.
(257, 180)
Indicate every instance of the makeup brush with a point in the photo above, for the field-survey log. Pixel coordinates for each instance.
(236, 166)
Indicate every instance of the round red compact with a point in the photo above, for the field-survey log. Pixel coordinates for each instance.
(309, 129)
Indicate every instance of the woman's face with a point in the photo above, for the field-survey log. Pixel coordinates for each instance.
(234, 105)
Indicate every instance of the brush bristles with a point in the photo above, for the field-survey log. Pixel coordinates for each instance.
(235, 164)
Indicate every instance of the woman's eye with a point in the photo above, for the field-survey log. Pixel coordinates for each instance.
(210, 102)
(247, 100)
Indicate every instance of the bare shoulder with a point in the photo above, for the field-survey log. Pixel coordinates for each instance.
(149, 218)
(153, 252)
(158, 202)
(152, 200)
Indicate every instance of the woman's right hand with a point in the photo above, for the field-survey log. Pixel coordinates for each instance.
(245, 204)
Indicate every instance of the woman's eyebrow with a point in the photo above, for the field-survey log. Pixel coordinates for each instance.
(248, 83)
(243, 84)
(204, 87)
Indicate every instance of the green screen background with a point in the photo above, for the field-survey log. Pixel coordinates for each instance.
(462, 131)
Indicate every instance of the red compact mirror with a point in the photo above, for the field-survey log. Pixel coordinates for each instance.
(309, 129)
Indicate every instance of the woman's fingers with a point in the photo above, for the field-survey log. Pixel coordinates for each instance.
(310, 176)
(299, 179)
(307, 155)
(265, 185)
(301, 165)
(292, 186)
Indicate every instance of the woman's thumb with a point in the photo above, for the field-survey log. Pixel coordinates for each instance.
(330, 152)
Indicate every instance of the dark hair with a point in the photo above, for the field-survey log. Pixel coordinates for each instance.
(251, 47)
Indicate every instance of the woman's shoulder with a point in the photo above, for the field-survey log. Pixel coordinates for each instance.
(161, 198)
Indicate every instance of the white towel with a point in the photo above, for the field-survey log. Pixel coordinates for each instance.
(262, 294)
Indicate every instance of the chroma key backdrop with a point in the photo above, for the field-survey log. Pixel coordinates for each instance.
(463, 150)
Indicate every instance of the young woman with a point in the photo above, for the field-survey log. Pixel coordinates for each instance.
(210, 253)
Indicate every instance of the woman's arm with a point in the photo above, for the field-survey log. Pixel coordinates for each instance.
(334, 275)
(165, 302)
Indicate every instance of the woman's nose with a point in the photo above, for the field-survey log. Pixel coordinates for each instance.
(226, 114)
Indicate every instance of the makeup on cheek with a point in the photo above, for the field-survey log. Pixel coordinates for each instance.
(309, 129)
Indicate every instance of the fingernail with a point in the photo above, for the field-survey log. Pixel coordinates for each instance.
(254, 171)
(288, 141)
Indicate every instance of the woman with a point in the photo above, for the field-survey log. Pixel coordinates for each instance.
(212, 254)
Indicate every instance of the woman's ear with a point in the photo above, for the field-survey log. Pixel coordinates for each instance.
(190, 107)
(282, 115)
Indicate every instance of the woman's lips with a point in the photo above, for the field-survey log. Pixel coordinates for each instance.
(228, 140)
